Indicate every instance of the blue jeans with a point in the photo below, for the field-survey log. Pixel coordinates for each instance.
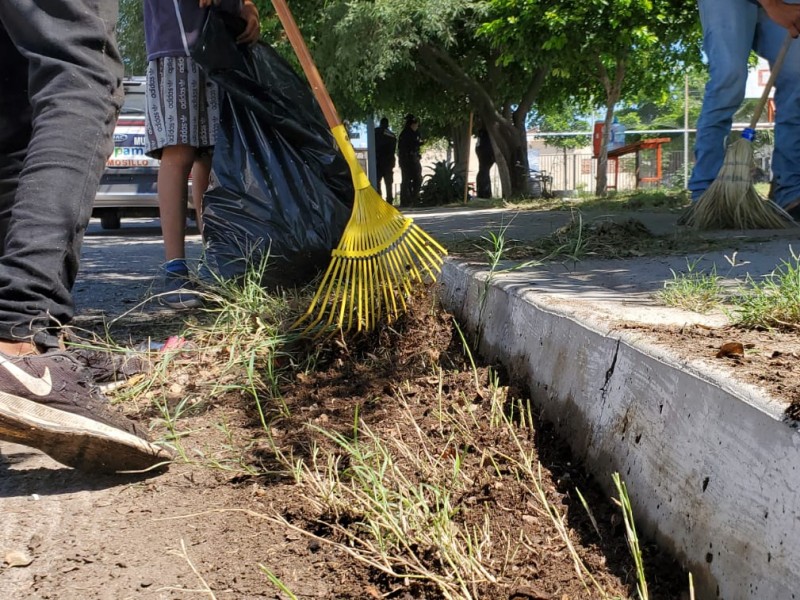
(731, 29)
(60, 92)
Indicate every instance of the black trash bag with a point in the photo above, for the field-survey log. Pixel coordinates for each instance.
(280, 189)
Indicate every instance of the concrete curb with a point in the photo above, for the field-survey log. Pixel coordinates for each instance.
(713, 472)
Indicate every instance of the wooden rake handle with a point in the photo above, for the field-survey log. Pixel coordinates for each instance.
(309, 68)
(773, 75)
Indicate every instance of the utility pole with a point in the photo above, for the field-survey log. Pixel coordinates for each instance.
(372, 169)
(685, 132)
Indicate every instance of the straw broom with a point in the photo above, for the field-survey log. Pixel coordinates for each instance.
(731, 201)
(381, 254)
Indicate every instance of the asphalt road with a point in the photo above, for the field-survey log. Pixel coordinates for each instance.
(120, 268)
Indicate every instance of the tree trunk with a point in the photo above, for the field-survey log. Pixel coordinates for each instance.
(613, 88)
(602, 158)
(459, 132)
(510, 146)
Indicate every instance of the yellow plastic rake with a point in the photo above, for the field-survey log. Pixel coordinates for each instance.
(382, 254)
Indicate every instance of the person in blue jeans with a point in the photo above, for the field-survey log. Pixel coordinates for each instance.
(60, 93)
(731, 29)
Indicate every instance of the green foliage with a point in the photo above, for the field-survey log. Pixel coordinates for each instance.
(772, 303)
(561, 120)
(695, 290)
(444, 184)
(498, 59)
(130, 37)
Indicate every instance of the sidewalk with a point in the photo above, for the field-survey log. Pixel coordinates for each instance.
(711, 464)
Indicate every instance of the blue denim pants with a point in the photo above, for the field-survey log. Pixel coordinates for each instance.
(731, 29)
(60, 93)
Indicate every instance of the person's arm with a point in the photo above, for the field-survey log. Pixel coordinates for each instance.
(785, 15)
(252, 30)
(247, 11)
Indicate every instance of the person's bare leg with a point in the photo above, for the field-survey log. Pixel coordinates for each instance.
(201, 173)
(173, 175)
(10, 348)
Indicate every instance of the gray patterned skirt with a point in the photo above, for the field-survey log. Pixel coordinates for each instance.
(182, 106)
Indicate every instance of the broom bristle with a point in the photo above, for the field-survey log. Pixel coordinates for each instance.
(381, 254)
(731, 201)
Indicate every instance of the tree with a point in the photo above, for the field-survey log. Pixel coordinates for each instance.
(437, 56)
(605, 49)
(130, 37)
(499, 59)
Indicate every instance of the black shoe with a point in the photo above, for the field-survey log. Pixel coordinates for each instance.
(50, 402)
(107, 366)
(794, 212)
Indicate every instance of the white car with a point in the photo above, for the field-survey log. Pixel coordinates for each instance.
(128, 185)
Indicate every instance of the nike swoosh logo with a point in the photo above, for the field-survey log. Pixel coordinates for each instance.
(38, 386)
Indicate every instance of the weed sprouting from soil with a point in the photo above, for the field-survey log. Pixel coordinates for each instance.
(399, 450)
(773, 301)
(695, 290)
(584, 237)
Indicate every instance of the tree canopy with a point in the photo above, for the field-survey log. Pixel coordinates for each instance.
(505, 61)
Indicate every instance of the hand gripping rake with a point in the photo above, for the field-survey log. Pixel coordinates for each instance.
(382, 254)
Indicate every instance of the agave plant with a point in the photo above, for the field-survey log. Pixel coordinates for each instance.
(444, 184)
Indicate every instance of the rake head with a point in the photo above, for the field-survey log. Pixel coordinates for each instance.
(379, 259)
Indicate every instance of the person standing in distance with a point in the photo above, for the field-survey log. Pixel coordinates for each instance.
(385, 147)
(731, 30)
(408, 152)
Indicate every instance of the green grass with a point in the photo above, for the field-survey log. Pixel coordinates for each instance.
(695, 290)
(614, 202)
(389, 498)
(772, 302)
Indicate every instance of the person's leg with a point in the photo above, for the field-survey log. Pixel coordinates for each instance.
(15, 126)
(73, 83)
(786, 156)
(201, 174)
(380, 182)
(405, 184)
(173, 175)
(388, 178)
(60, 85)
(416, 181)
(728, 35)
(483, 183)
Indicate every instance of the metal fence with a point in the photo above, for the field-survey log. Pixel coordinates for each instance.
(578, 172)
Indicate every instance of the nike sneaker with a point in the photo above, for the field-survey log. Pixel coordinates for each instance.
(50, 402)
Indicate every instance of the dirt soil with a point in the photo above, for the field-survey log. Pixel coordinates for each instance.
(203, 529)
(767, 359)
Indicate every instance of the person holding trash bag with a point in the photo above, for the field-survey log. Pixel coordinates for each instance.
(182, 116)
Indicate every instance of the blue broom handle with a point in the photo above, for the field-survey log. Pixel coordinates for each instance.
(750, 133)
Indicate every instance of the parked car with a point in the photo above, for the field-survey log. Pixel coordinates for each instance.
(128, 186)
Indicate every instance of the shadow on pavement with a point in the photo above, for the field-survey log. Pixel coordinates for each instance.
(16, 480)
